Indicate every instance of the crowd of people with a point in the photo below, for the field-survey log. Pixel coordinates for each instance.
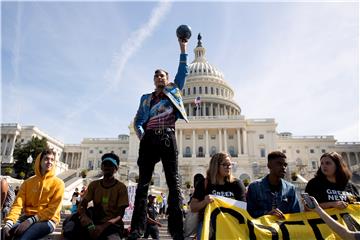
(97, 212)
(35, 211)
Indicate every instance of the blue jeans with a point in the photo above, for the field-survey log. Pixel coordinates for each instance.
(199, 230)
(35, 231)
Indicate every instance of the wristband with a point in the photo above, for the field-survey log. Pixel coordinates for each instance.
(9, 224)
(91, 227)
(32, 219)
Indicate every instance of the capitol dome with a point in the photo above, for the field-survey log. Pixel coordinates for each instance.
(206, 93)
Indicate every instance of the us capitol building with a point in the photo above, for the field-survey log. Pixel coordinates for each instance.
(216, 124)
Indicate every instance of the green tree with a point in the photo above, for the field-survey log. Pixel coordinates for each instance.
(21, 153)
(8, 171)
(84, 173)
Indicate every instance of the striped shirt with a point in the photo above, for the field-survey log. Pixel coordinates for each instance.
(162, 112)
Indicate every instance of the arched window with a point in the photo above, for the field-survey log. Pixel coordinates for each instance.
(200, 152)
(212, 90)
(314, 164)
(183, 92)
(213, 151)
(232, 151)
(90, 165)
(262, 152)
(255, 168)
(187, 152)
(188, 91)
(206, 90)
(194, 90)
(200, 90)
(217, 91)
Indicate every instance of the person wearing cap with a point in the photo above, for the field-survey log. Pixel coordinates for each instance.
(36, 210)
(152, 224)
(154, 125)
(110, 199)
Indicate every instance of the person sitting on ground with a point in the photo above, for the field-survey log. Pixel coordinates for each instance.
(331, 185)
(7, 197)
(110, 199)
(197, 178)
(272, 195)
(219, 181)
(334, 225)
(39, 198)
(152, 224)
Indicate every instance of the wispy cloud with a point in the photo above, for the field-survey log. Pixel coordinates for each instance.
(13, 90)
(114, 74)
(134, 43)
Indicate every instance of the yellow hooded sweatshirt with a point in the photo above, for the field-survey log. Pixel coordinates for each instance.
(39, 196)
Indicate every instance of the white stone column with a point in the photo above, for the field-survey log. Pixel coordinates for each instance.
(13, 145)
(68, 158)
(218, 110)
(357, 158)
(71, 160)
(225, 140)
(207, 155)
(75, 160)
(5, 144)
(238, 142)
(2, 144)
(78, 160)
(244, 135)
(211, 112)
(181, 144)
(194, 144)
(220, 141)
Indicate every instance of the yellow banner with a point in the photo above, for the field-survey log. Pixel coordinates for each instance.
(230, 220)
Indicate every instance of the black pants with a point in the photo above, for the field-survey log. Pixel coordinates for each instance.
(152, 230)
(73, 230)
(156, 146)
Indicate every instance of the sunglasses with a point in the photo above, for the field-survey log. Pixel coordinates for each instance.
(226, 165)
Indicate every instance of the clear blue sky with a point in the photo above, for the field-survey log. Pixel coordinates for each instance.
(76, 69)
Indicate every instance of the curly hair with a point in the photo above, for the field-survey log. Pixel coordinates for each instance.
(47, 151)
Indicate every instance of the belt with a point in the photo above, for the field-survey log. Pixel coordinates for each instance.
(159, 131)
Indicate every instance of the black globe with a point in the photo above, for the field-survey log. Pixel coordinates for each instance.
(183, 32)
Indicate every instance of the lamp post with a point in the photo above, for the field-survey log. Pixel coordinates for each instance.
(29, 160)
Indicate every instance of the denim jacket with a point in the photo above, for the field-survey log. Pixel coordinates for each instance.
(172, 91)
(259, 198)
